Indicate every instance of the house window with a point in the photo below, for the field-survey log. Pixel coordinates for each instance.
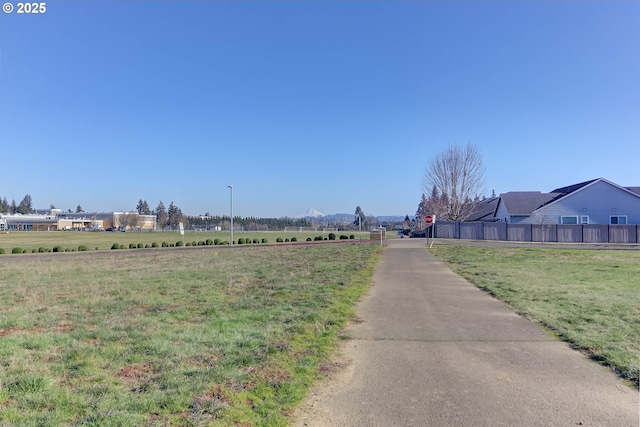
(618, 219)
(584, 219)
(568, 220)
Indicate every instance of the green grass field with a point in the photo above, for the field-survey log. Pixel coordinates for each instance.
(172, 337)
(71, 240)
(590, 298)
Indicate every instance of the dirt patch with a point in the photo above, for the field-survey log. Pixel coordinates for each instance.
(337, 372)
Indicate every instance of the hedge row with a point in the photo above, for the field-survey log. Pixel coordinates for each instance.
(19, 250)
(208, 242)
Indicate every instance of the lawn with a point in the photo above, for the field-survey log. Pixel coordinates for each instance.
(173, 337)
(590, 298)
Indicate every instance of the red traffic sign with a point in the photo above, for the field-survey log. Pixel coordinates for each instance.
(429, 219)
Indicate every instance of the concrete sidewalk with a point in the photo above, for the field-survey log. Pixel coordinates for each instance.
(433, 350)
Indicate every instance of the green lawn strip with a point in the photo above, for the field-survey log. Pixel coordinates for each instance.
(591, 299)
(197, 338)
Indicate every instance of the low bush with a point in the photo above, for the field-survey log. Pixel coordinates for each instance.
(352, 236)
(317, 238)
(1, 251)
(147, 246)
(201, 243)
(154, 244)
(279, 240)
(115, 246)
(332, 236)
(294, 239)
(165, 244)
(241, 241)
(179, 243)
(309, 239)
(34, 251)
(82, 248)
(132, 245)
(344, 237)
(140, 246)
(42, 249)
(265, 241)
(209, 242)
(286, 240)
(217, 241)
(58, 249)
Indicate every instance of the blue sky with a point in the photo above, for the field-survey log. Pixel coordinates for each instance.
(300, 104)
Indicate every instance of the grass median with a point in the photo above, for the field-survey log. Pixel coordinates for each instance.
(590, 298)
(212, 337)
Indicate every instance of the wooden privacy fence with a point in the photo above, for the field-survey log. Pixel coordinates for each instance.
(562, 233)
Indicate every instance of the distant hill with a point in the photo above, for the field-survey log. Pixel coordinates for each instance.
(345, 218)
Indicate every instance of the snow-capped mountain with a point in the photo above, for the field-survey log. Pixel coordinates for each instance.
(312, 213)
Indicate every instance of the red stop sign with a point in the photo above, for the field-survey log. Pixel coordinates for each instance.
(428, 219)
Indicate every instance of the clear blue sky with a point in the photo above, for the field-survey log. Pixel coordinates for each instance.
(300, 104)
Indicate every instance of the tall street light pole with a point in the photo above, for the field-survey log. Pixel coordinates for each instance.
(231, 204)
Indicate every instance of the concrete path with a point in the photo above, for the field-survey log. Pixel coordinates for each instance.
(433, 350)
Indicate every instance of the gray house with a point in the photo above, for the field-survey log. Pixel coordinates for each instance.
(592, 202)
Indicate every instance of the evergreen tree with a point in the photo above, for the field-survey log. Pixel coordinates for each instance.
(360, 217)
(25, 205)
(161, 215)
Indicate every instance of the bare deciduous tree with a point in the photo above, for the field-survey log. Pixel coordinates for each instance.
(456, 174)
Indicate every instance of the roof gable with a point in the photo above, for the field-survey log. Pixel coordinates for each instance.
(572, 189)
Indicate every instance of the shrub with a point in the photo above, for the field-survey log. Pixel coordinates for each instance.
(256, 241)
(147, 246)
(209, 242)
(309, 239)
(179, 243)
(201, 243)
(154, 245)
(286, 240)
(41, 249)
(352, 236)
(188, 244)
(241, 241)
(217, 241)
(344, 237)
(1, 251)
(265, 241)
(82, 248)
(317, 238)
(58, 249)
(164, 244)
(294, 239)
(115, 246)
(132, 245)
(140, 246)
(224, 243)
(34, 251)
(332, 236)
(279, 240)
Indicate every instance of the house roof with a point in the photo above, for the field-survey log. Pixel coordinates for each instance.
(571, 188)
(634, 189)
(485, 210)
(525, 202)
